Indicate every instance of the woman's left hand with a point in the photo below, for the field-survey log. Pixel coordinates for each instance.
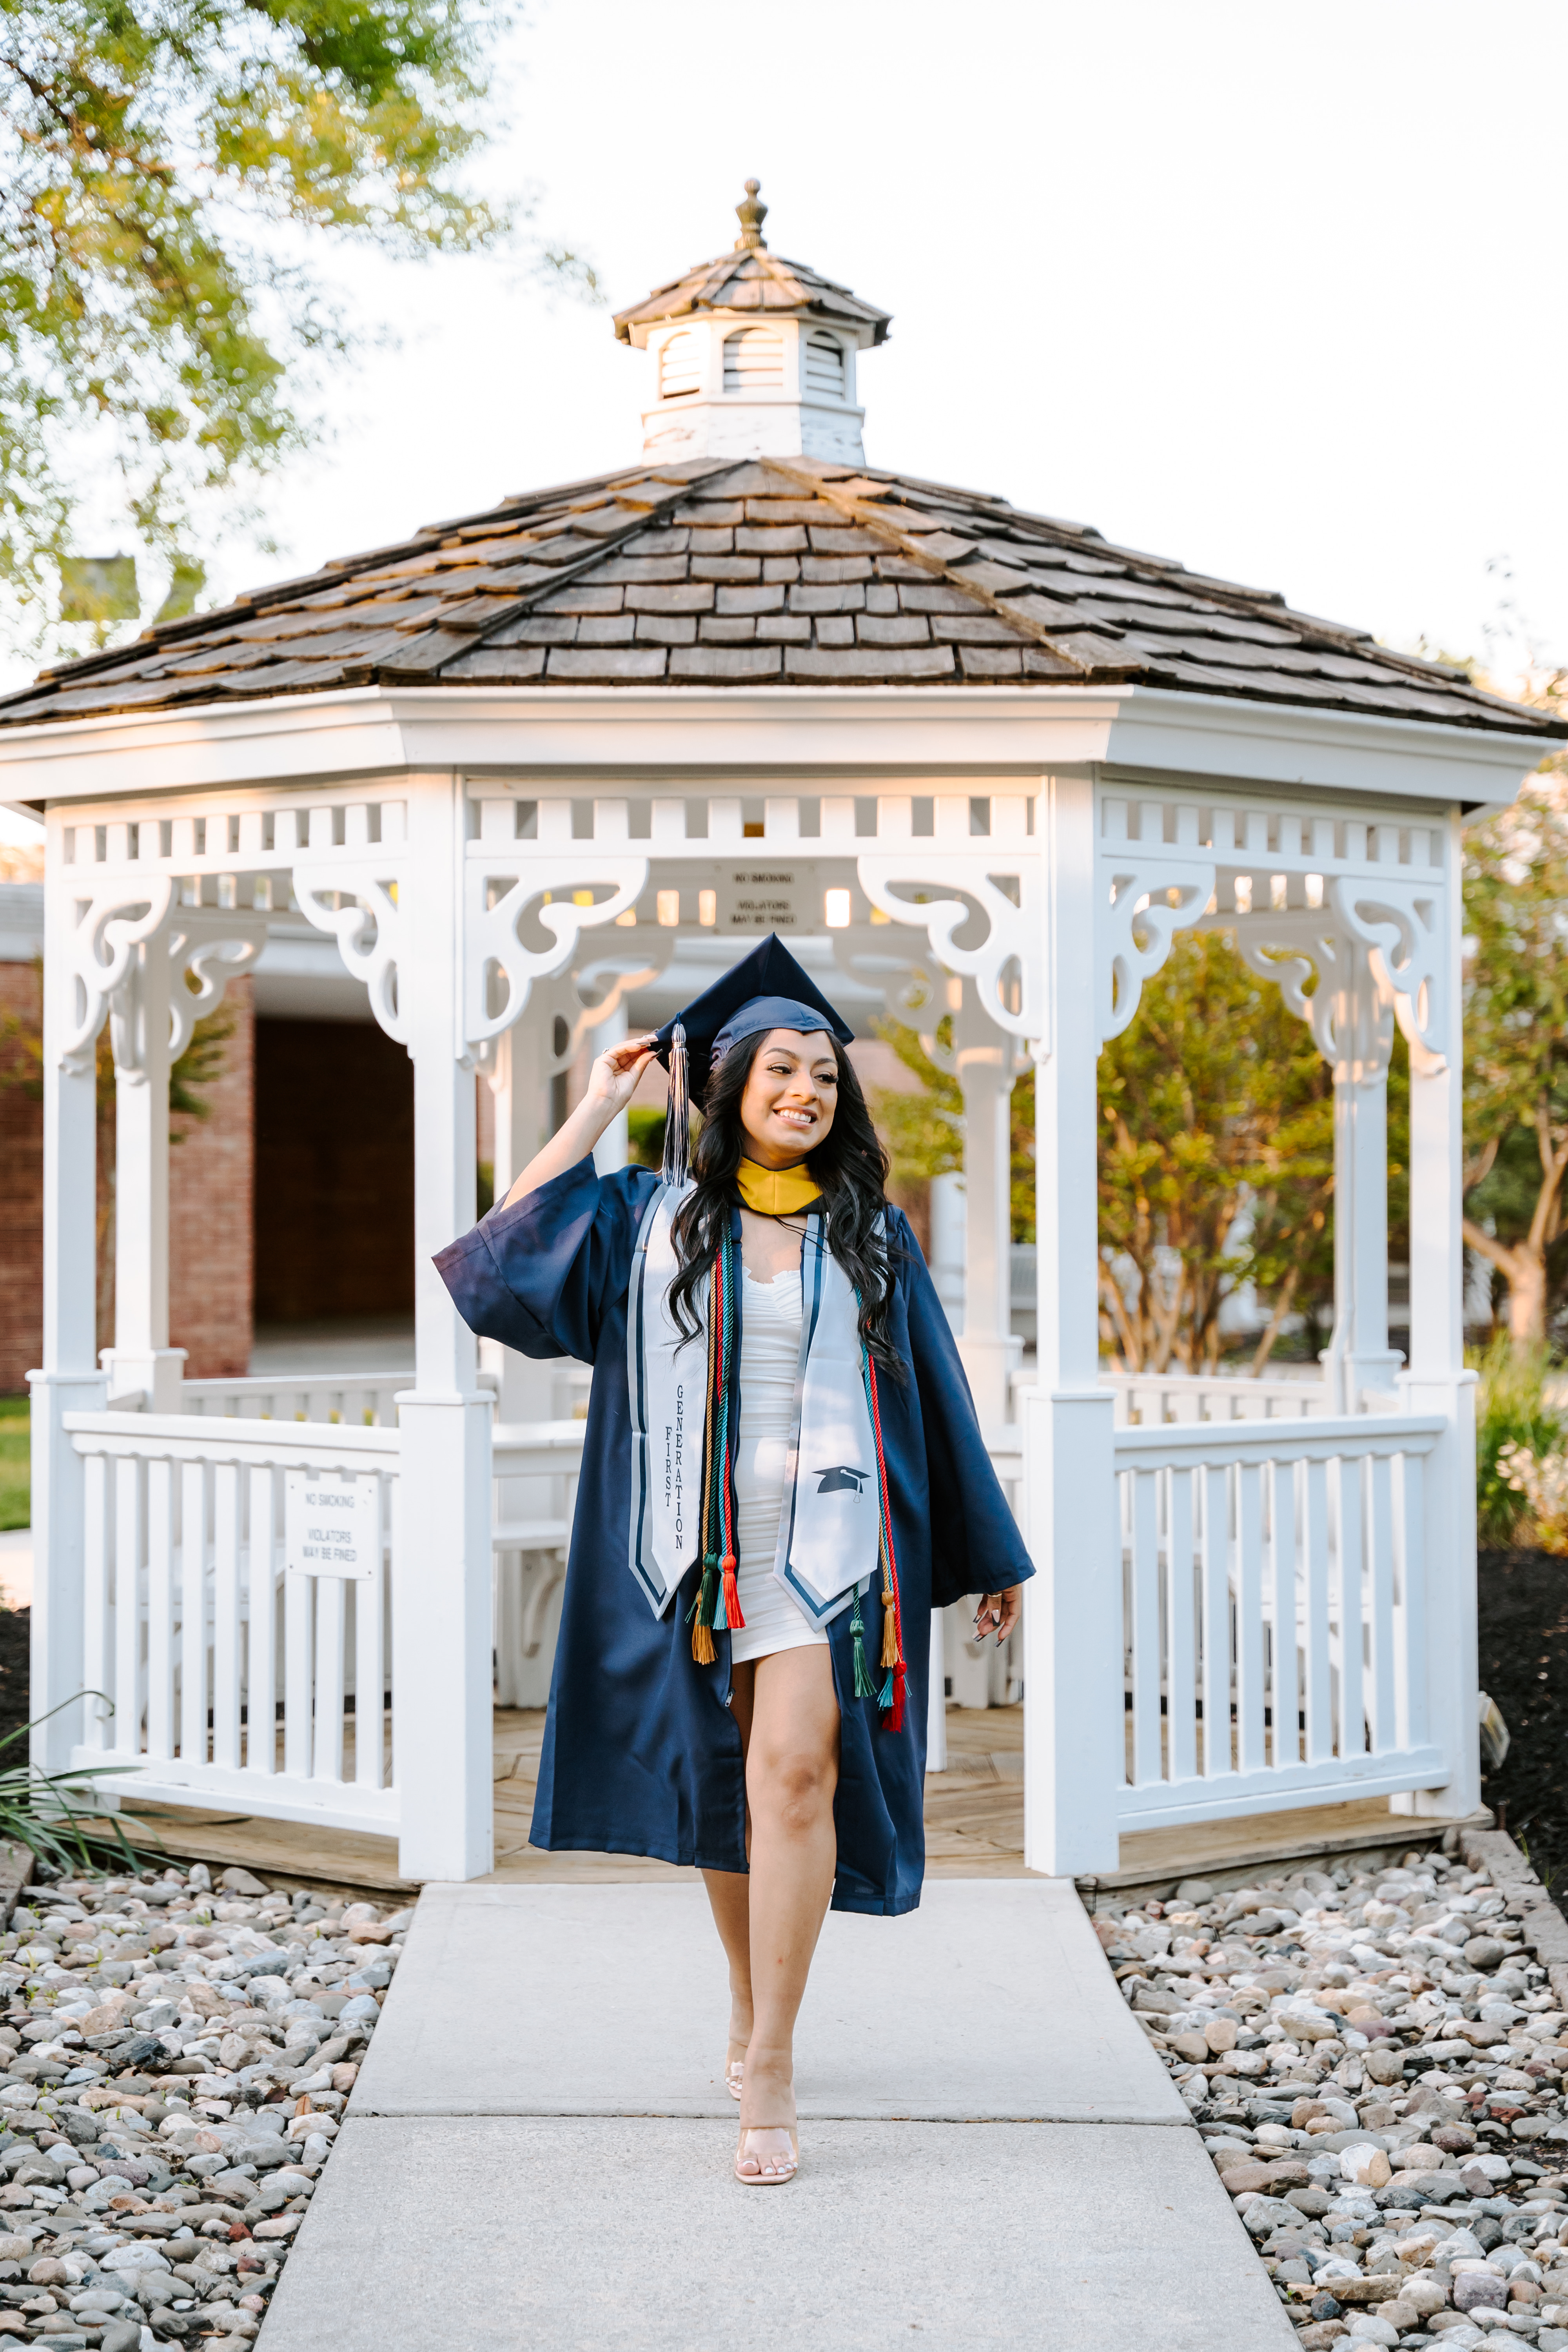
(998, 1613)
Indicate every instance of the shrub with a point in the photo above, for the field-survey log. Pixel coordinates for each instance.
(1512, 1410)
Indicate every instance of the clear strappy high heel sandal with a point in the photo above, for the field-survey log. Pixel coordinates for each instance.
(775, 2164)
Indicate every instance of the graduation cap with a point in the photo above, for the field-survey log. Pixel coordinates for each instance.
(840, 1479)
(767, 990)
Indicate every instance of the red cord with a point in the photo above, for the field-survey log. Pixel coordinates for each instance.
(895, 1716)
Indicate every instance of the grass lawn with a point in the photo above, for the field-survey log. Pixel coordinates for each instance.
(16, 1508)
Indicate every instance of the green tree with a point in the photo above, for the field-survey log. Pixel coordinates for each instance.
(1516, 1048)
(1215, 1160)
(149, 150)
(925, 1132)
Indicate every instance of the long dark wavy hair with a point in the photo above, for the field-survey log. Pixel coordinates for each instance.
(850, 1164)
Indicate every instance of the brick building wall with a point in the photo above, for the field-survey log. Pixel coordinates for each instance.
(21, 1182)
(211, 1190)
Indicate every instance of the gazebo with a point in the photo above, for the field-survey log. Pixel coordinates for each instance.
(979, 760)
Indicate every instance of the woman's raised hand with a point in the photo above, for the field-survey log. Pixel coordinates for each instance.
(613, 1080)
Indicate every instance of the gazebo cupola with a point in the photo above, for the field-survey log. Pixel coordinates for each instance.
(755, 356)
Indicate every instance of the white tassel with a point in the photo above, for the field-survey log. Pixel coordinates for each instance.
(678, 1120)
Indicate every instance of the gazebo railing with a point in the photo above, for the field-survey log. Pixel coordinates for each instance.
(229, 1680)
(359, 1399)
(1275, 1603)
(1160, 1399)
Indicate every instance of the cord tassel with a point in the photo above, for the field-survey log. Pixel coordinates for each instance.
(677, 1119)
(732, 1617)
(864, 1685)
(891, 1699)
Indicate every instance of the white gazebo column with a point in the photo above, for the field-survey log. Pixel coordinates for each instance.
(441, 1605)
(1359, 1357)
(947, 1243)
(1074, 1758)
(142, 1358)
(525, 1386)
(521, 1085)
(69, 1379)
(1437, 1382)
(983, 1064)
(612, 1149)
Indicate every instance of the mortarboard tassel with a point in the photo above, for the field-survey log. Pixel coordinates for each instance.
(677, 1120)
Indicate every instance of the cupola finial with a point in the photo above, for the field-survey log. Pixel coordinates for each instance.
(751, 215)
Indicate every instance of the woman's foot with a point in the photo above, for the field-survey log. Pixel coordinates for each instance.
(734, 2068)
(769, 2152)
(768, 2155)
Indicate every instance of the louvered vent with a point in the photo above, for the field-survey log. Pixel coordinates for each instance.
(824, 366)
(680, 367)
(753, 360)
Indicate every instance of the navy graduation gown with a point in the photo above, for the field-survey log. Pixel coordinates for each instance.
(641, 1753)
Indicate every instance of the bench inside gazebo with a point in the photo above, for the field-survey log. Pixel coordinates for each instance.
(975, 763)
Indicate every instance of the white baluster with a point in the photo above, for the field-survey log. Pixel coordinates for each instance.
(261, 1661)
(226, 1614)
(160, 1611)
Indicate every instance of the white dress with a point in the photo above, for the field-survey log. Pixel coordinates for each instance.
(770, 1353)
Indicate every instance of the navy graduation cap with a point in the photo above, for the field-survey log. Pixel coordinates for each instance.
(767, 990)
(841, 1478)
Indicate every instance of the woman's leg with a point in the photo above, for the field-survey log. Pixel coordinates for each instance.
(727, 1893)
(792, 1771)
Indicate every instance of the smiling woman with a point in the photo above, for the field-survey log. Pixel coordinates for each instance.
(778, 1422)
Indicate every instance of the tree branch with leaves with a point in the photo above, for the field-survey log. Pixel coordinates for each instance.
(157, 160)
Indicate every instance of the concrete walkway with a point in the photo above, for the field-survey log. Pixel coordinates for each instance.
(538, 2148)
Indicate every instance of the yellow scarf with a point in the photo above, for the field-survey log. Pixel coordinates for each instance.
(776, 1191)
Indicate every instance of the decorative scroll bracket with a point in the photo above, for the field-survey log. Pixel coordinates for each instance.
(1399, 925)
(102, 954)
(1148, 905)
(1351, 1011)
(214, 948)
(491, 938)
(368, 930)
(1014, 941)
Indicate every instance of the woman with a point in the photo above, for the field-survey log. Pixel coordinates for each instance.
(778, 1428)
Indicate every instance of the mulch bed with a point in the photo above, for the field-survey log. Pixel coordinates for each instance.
(13, 1667)
(1524, 1614)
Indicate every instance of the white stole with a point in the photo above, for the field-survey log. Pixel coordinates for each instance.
(829, 1527)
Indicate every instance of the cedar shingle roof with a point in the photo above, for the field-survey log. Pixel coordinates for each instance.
(750, 278)
(756, 282)
(776, 572)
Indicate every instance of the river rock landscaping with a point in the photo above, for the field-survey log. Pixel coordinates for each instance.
(175, 2056)
(1375, 2055)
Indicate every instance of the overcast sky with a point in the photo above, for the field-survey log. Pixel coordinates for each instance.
(1272, 291)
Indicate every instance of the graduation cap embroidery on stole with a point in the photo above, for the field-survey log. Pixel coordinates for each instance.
(841, 1478)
